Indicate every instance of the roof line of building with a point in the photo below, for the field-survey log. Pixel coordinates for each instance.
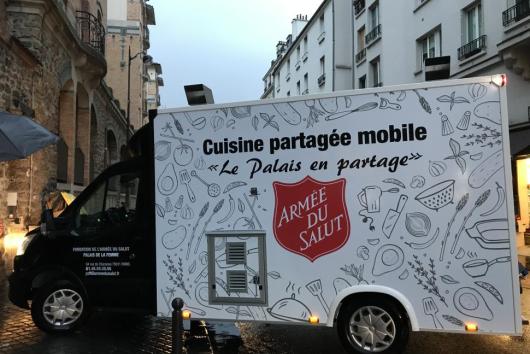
(296, 40)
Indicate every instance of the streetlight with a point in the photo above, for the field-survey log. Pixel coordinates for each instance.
(147, 59)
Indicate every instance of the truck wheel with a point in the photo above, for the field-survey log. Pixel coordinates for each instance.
(372, 326)
(59, 307)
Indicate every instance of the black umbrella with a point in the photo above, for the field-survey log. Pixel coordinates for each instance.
(21, 136)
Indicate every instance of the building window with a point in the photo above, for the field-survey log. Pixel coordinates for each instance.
(375, 72)
(288, 93)
(298, 88)
(360, 37)
(288, 65)
(298, 53)
(306, 84)
(373, 16)
(321, 23)
(472, 22)
(362, 82)
(305, 56)
(428, 46)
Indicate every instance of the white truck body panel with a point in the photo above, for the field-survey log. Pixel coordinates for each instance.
(402, 190)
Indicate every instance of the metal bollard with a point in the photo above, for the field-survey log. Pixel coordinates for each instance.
(176, 326)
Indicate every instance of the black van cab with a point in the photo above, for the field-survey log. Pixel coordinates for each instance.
(99, 253)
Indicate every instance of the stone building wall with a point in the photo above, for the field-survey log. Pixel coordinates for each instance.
(39, 66)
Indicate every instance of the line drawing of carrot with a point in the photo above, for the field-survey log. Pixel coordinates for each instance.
(216, 209)
(201, 214)
(461, 204)
(481, 199)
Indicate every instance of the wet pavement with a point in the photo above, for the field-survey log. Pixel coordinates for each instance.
(126, 333)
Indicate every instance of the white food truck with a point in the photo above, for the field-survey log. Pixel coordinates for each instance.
(377, 211)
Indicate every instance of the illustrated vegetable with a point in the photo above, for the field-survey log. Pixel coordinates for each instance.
(423, 102)
(233, 185)
(240, 112)
(216, 209)
(177, 124)
(417, 182)
(447, 128)
(217, 123)
(200, 164)
(447, 279)
(417, 224)
(240, 205)
(174, 238)
(491, 289)
(288, 113)
(315, 113)
(453, 320)
(231, 209)
(168, 205)
(160, 210)
(186, 213)
(476, 156)
(419, 246)
(489, 110)
(437, 168)
(162, 150)
(329, 105)
(463, 124)
(501, 195)
(269, 121)
(487, 168)
(197, 123)
(480, 200)
(459, 206)
(395, 181)
(476, 91)
(452, 99)
(201, 214)
(183, 154)
(458, 155)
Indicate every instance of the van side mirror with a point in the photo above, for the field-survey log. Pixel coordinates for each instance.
(47, 222)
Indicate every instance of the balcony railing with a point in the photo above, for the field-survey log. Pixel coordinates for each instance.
(321, 80)
(358, 6)
(516, 13)
(472, 48)
(90, 31)
(373, 34)
(360, 56)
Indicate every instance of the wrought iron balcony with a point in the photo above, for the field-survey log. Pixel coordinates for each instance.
(373, 34)
(358, 6)
(360, 56)
(516, 13)
(472, 48)
(90, 31)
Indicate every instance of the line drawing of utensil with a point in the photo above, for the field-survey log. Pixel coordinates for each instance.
(491, 234)
(479, 267)
(185, 179)
(315, 287)
(365, 107)
(213, 188)
(430, 308)
(393, 215)
(251, 206)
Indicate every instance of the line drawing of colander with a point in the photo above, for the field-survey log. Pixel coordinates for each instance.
(437, 196)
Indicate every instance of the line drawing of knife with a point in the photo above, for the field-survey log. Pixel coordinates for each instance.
(393, 215)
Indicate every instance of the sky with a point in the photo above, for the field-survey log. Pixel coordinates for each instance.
(225, 44)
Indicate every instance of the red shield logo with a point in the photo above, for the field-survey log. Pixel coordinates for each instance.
(310, 217)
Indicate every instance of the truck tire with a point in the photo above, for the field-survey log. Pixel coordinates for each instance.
(59, 307)
(372, 325)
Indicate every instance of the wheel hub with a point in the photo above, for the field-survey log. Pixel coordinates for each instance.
(372, 329)
(62, 307)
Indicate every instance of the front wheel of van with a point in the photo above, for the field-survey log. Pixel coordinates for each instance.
(372, 326)
(59, 307)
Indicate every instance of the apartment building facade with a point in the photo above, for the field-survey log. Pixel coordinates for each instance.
(52, 62)
(316, 57)
(127, 42)
(392, 39)
(152, 85)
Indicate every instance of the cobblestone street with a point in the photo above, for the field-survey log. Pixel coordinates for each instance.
(126, 333)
